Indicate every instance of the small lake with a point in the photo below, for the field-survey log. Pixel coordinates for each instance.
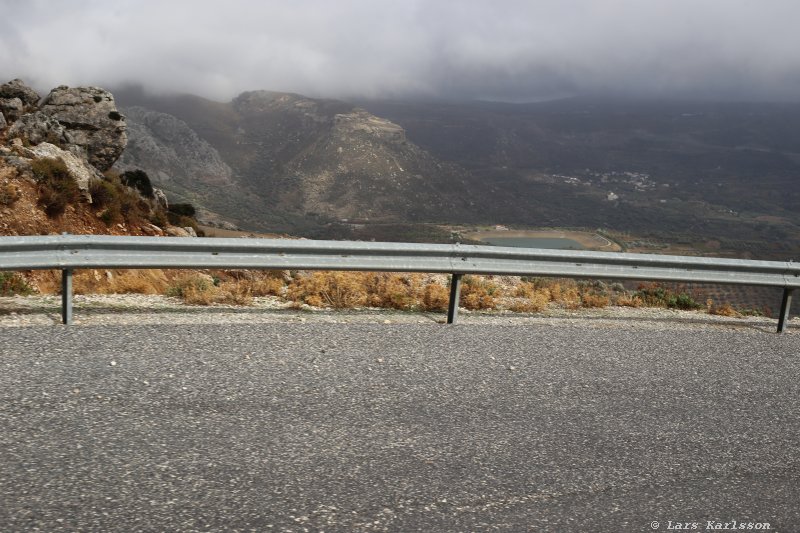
(552, 243)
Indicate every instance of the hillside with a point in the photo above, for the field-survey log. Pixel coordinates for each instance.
(295, 163)
(676, 170)
(719, 177)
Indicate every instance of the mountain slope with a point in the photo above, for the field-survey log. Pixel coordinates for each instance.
(680, 171)
(294, 160)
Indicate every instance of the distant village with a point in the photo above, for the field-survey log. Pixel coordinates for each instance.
(640, 181)
(623, 180)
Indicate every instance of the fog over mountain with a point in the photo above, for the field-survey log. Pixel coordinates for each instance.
(512, 50)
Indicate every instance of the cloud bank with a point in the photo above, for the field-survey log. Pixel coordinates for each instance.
(513, 50)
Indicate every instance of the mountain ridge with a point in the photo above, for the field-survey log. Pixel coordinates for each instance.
(320, 159)
(681, 171)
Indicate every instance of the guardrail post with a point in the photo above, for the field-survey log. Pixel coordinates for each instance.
(455, 294)
(786, 306)
(66, 296)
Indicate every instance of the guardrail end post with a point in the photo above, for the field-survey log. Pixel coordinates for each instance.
(455, 294)
(66, 296)
(786, 306)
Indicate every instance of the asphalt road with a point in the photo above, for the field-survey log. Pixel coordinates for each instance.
(374, 427)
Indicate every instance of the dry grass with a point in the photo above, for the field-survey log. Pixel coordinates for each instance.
(435, 297)
(594, 300)
(329, 289)
(341, 290)
(536, 303)
(120, 282)
(203, 289)
(479, 293)
(723, 310)
(528, 298)
(9, 194)
(628, 300)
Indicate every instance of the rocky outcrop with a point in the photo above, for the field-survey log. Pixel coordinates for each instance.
(80, 171)
(79, 126)
(35, 128)
(161, 198)
(361, 121)
(83, 120)
(82, 129)
(11, 108)
(17, 89)
(91, 121)
(174, 231)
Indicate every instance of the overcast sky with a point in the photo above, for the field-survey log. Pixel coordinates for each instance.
(514, 50)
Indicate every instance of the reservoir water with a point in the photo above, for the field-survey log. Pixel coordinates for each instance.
(530, 242)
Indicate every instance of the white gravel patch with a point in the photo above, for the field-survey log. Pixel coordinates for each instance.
(134, 309)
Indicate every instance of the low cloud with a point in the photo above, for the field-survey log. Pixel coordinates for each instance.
(505, 50)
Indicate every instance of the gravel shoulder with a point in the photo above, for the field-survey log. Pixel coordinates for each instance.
(128, 309)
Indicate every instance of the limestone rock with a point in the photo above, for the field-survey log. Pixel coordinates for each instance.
(161, 198)
(17, 89)
(36, 128)
(153, 230)
(91, 120)
(11, 108)
(3, 123)
(174, 231)
(361, 121)
(77, 167)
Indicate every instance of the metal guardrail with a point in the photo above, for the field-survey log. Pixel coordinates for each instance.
(70, 252)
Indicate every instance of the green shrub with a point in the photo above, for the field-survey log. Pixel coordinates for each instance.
(158, 218)
(683, 301)
(652, 295)
(57, 189)
(103, 192)
(190, 283)
(117, 201)
(9, 194)
(12, 283)
(111, 215)
(139, 180)
(106, 195)
(656, 295)
(183, 210)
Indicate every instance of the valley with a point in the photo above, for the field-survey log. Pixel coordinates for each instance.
(662, 177)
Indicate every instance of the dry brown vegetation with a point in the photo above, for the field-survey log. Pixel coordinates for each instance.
(723, 310)
(371, 289)
(120, 282)
(402, 291)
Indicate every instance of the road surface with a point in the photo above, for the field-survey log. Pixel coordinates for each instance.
(398, 427)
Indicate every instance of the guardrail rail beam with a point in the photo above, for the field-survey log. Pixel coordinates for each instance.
(70, 252)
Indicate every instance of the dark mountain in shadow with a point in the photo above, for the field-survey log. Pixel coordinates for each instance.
(682, 170)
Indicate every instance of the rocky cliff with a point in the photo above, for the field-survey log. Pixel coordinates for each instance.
(55, 154)
(185, 166)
